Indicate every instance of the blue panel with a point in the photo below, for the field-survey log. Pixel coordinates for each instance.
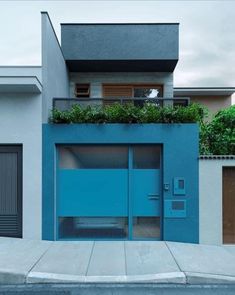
(175, 209)
(92, 192)
(179, 186)
(145, 192)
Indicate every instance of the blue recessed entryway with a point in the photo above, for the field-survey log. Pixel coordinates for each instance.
(120, 181)
(108, 192)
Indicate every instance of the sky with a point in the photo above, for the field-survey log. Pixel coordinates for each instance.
(206, 32)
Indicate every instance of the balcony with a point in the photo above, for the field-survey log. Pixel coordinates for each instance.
(64, 104)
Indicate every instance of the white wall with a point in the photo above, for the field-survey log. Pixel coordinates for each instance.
(97, 79)
(210, 200)
(21, 123)
(54, 70)
(213, 103)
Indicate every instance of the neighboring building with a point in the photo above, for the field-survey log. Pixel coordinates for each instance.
(20, 151)
(89, 181)
(214, 98)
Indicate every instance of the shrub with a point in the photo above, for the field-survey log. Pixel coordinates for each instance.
(218, 136)
(128, 113)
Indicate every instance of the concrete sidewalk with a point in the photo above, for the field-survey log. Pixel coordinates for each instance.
(29, 261)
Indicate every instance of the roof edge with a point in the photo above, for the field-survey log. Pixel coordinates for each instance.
(68, 24)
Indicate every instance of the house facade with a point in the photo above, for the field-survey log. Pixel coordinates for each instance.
(115, 181)
(20, 151)
(213, 98)
(97, 181)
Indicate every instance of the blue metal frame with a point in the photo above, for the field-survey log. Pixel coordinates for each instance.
(130, 197)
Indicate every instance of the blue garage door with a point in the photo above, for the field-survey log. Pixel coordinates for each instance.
(108, 192)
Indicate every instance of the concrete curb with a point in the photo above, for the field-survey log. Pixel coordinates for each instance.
(204, 278)
(37, 277)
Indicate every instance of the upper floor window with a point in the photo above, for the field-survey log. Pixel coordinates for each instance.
(118, 91)
(137, 90)
(82, 90)
(147, 91)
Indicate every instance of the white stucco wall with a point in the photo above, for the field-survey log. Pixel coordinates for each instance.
(97, 79)
(54, 70)
(210, 200)
(21, 123)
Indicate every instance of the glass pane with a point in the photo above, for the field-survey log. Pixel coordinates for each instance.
(148, 92)
(93, 157)
(93, 227)
(146, 157)
(146, 227)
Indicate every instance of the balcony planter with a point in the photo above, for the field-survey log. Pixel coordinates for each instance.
(149, 112)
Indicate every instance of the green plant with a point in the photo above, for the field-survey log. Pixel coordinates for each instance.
(128, 113)
(218, 136)
(122, 113)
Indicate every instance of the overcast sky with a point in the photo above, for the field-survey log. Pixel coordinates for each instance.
(207, 32)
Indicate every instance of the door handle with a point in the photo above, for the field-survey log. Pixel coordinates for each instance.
(153, 196)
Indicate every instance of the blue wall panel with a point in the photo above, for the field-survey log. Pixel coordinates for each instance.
(83, 192)
(180, 159)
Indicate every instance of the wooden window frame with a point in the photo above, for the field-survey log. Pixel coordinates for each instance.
(82, 95)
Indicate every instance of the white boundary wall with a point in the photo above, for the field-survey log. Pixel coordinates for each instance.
(21, 123)
(211, 199)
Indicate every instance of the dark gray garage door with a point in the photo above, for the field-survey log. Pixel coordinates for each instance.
(11, 191)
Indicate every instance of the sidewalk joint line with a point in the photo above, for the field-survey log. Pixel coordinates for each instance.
(88, 265)
(125, 257)
(176, 262)
(40, 258)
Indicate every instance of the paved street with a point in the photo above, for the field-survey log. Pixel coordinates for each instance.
(117, 289)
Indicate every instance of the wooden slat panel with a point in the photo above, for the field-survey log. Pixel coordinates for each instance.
(229, 205)
(117, 91)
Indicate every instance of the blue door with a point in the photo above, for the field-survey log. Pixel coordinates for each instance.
(108, 192)
(145, 191)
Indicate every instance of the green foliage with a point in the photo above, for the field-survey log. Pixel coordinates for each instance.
(218, 136)
(129, 113)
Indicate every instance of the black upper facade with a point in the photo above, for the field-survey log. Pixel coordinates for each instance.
(120, 47)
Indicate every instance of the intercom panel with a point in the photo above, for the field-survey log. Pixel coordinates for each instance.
(179, 186)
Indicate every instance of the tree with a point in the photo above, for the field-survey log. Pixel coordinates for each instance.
(218, 136)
